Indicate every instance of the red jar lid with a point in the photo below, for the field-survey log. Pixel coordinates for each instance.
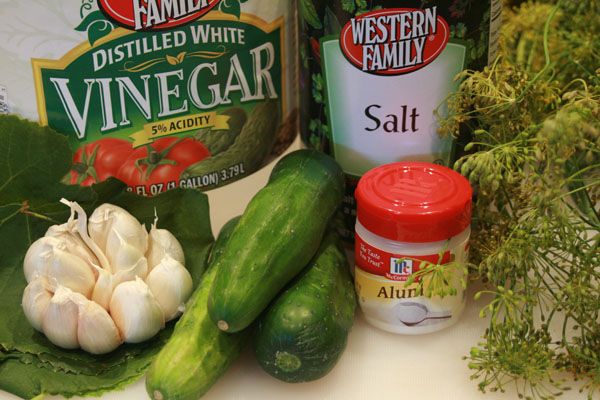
(414, 202)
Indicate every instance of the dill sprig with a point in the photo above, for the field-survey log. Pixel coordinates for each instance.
(535, 164)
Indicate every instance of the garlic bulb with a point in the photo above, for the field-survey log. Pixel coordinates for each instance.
(171, 284)
(89, 285)
(96, 331)
(59, 323)
(36, 298)
(136, 312)
(162, 243)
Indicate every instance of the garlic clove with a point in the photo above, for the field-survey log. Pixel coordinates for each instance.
(103, 289)
(60, 319)
(38, 257)
(171, 285)
(36, 298)
(130, 231)
(161, 242)
(108, 218)
(139, 270)
(136, 312)
(70, 271)
(107, 282)
(96, 331)
(99, 224)
(121, 254)
(68, 234)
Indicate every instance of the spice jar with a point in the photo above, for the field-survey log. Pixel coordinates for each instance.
(410, 215)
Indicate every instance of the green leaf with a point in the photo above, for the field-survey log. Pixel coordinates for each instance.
(26, 153)
(579, 193)
(332, 25)
(32, 162)
(26, 378)
(98, 30)
(96, 26)
(348, 6)
(309, 14)
(232, 7)
(90, 19)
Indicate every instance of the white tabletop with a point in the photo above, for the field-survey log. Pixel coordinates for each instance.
(375, 365)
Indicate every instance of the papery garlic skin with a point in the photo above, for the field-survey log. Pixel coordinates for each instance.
(171, 285)
(163, 243)
(60, 319)
(96, 331)
(81, 224)
(68, 235)
(36, 298)
(136, 312)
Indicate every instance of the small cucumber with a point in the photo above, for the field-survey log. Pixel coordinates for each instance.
(198, 353)
(224, 235)
(303, 333)
(276, 237)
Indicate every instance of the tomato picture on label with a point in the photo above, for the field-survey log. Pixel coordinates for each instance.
(97, 161)
(158, 166)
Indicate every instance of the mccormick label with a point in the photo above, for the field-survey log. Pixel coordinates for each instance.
(157, 93)
(389, 303)
(378, 76)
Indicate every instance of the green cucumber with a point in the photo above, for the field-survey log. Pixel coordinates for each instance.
(303, 333)
(198, 353)
(224, 235)
(250, 148)
(276, 237)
